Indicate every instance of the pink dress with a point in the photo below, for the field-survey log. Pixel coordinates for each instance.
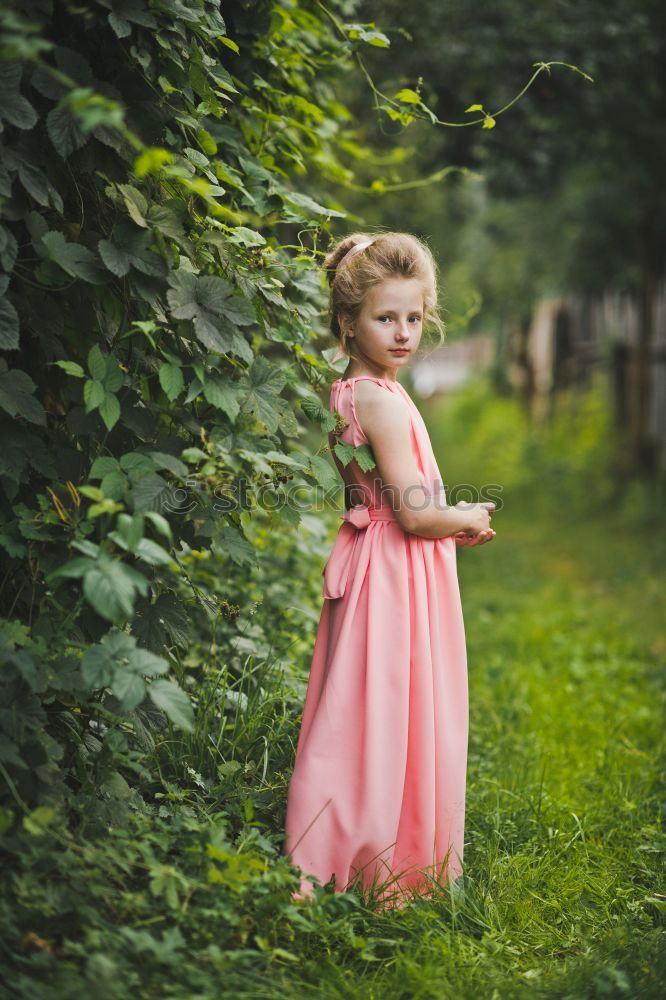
(378, 786)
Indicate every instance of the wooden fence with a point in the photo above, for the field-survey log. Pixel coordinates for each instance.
(570, 337)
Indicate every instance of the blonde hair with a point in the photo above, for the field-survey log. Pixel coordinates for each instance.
(389, 255)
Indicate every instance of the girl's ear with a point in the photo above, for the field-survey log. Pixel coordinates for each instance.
(345, 324)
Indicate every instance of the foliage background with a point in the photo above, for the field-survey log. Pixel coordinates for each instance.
(170, 172)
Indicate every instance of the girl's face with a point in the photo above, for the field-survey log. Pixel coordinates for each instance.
(391, 320)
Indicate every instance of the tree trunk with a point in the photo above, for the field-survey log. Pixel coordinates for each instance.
(643, 443)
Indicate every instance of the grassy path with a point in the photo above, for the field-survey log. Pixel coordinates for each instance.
(566, 721)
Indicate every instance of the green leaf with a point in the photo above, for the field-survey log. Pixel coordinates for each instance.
(171, 380)
(114, 376)
(202, 300)
(152, 553)
(98, 666)
(121, 27)
(164, 461)
(71, 368)
(92, 492)
(246, 237)
(109, 593)
(149, 493)
(64, 131)
(136, 465)
(162, 218)
(130, 529)
(241, 348)
(234, 544)
(88, 548)
(16, 388)
(117, 662)
(474, 107)
(106, 506)
(367, 33)
(364, 457)
(323, 472)
(164, 621)
(239, 310)
(160, 524)
(35, 183)
(102, 466)
(9, 326)
(136, 204)
(295, 460)
(13, 548)
(144, 662)
(193, 455)
(313, 407)
(345, 452)
(110, 588)
(96, 364)
(152, 160)
(310, 206)
(113, 485)
(116, 259)
(73, 569)
(109, 410)
(8, 249)
(196, 157)
(130, 247)
(73, 258)
(129, 689)
(407, 96)
(14, 108)
(6, 815)
(265, 382)
(37, 821)
(174, 703)
(93, 394)
(288, 422)
(223, 394)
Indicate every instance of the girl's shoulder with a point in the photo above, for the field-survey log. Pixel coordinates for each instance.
(379, 401)
(369, 388)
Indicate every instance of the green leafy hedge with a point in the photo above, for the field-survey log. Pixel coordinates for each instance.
(158, 386)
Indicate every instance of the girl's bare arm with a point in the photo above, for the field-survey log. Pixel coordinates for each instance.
(385, 421)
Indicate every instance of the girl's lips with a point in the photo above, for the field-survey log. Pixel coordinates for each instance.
(399, 350)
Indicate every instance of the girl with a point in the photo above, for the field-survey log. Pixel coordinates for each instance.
(377, 795)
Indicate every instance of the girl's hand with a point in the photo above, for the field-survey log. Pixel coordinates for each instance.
(462, 538)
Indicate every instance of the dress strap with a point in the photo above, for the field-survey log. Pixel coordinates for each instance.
(373, 378)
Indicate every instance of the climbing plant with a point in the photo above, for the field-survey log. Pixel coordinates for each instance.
(158, 303)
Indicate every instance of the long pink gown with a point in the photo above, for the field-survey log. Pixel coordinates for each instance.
(378, 787)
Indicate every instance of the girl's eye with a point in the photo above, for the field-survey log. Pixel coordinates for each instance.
(417, 318)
